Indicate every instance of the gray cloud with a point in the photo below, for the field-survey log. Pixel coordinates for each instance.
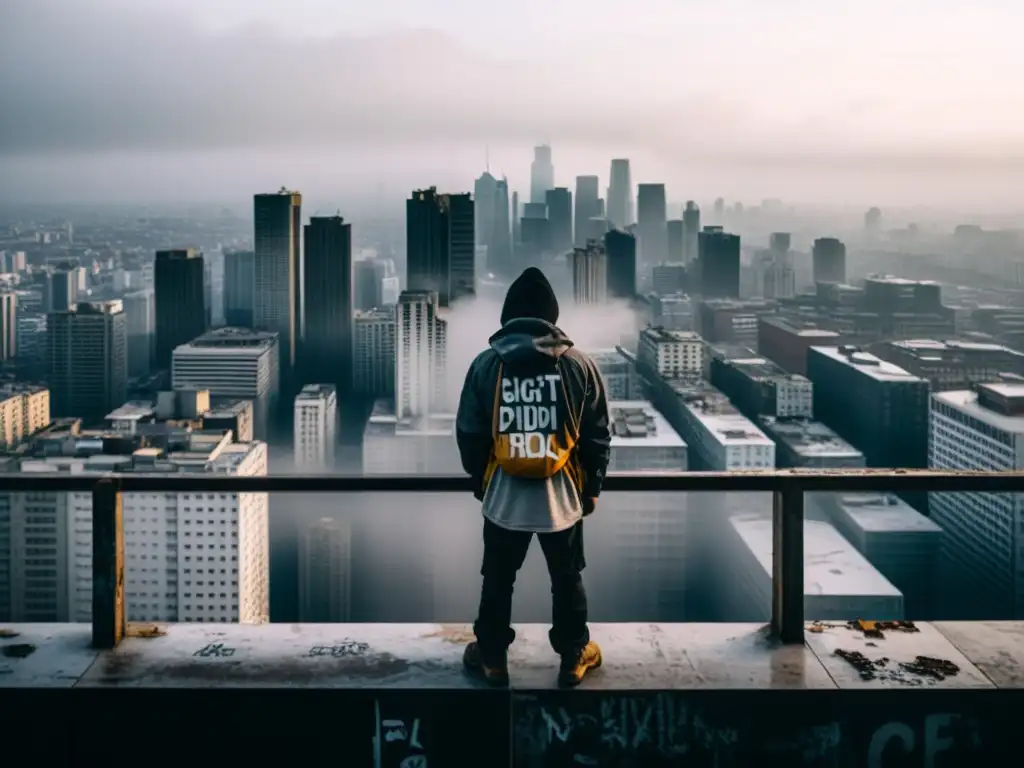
(85, 78)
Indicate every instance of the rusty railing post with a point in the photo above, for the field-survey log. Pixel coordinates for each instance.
(788, 563)
(108, 606)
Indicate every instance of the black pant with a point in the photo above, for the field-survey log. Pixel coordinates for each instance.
(504, 552)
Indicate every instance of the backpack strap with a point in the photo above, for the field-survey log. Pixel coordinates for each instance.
(575, 420)
(497, 403)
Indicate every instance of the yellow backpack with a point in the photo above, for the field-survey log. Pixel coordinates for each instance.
(534, 429)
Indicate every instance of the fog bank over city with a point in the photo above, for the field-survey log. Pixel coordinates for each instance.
(99, 97)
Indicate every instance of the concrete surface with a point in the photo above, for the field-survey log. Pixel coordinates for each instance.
(395, 696)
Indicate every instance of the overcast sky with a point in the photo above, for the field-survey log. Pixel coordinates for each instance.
(894, 102)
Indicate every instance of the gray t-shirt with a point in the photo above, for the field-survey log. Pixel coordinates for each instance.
(528, 504)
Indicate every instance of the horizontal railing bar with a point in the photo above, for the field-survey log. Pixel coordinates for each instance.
(850, 481)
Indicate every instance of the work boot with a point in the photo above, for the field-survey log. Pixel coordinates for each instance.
(491, 671)
(575, 666)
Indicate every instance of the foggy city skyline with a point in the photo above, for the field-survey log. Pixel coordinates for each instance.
(101, 104)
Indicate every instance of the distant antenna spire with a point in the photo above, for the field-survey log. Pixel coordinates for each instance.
(487, 157)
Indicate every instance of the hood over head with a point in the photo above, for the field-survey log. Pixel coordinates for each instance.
(530, 295)
(528, 330)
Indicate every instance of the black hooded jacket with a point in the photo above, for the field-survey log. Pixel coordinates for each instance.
(529, 335)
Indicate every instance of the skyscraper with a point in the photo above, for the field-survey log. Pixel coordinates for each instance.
(620, 248)
(440, 249)
(368, 278)
(86, 356)
(559, 203)
(140, 326)
(316, 427)
(499, 248)
(277, 271)
(590, 274)
(829, 260)
(239, 288)
(674, 241)
(462, 248)
(516, 234)
(588, 206)
(62, 289)
(8, 325)
(542, 173)
(325, 572)
(691, 230)
(485, 190)
(329, 302)
(620, 195)
(651, 223)
(420, 355)
(718, 264)
(180, 301)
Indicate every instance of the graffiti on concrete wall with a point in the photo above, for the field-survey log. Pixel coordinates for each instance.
(667, 728)
(401, 737)
(592, 729)
(934, 740)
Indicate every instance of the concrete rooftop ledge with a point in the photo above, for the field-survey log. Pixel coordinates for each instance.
(395, 694)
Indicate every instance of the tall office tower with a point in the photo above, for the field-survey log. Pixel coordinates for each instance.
(674, 241)
(719, 211)
(620, 195)
(829, 260)
(180, 301)
(780, 243)
(439, 250)
(277, 272)
(325, 572)
(62, 289)
(620, 248)
(595, 228)
(873, 223)
(499, 248)
(718, 264)
(590, 274)
(515, 221)
(160, 530)
(774, 277)
(462, 260)
(328, 301)
(368, 281)
(233, 364)
(8, 325)
(879, 408)
(485, 193)
(651, 223)
(420, 356)
(87, 360)
(588, 206)
(691, 232)
(373, 365)
(209, 293)
(239, 288)
(982, 574)
(559, 204)
(542, 173)
(316, 427)
(140, 326)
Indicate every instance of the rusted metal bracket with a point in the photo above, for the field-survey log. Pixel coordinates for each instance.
(788, 564)
(109, 613)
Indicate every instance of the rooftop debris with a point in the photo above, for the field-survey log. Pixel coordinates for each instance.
(877, 629)
(879, 669)
(18, 650)
(867, 668)
(146, 631)
(6, 634)
(927, 666)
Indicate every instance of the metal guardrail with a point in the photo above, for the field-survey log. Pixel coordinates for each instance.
(788, 486)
